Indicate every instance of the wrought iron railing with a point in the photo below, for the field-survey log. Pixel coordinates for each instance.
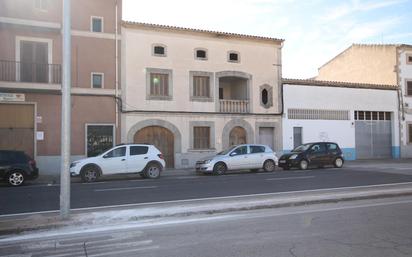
(30, 72)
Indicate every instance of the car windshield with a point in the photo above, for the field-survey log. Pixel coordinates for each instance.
(302, 148)
(226, 151)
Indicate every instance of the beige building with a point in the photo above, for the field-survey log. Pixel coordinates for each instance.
(378, 64)
(194, 92)
(30, 78)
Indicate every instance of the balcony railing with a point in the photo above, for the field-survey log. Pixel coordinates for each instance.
(30, 72)
(234, 106)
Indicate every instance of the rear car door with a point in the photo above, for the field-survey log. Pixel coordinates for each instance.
(238, 158)
(257, 156)
(138, 158)
(114, 161)
(333, 152)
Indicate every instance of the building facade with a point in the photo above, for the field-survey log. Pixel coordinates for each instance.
(361, 118)
(379, 64)
(30, 78)
(193, 93)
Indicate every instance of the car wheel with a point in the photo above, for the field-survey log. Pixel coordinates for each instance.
(152, 171)
(269, 166)
(219, 168)
(15, 178)
(338, 163)
(90, 174)
(303, 164)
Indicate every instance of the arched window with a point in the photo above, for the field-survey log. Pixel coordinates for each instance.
(201, 54)
(159, 50)
(266, 96)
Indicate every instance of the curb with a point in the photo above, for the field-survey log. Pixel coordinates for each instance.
(112, 215)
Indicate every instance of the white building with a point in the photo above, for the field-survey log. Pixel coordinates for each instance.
(378, 64)
(194, 92)
(361, 118)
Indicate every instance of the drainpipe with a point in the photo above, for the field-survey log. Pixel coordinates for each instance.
(401, 108)
(116, 91)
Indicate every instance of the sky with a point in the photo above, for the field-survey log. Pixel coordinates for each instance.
(314, 30)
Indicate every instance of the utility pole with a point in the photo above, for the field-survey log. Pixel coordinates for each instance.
(66, 110)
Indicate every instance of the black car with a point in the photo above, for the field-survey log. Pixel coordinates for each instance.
(17, 167)
(316, 154)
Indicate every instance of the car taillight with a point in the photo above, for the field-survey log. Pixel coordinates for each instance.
(160, 156)
(32, 163)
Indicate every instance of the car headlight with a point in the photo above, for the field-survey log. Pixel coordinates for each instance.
(207, 161)
(293, 156)
(73, 164)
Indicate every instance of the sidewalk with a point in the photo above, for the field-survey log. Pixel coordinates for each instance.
(133, 213)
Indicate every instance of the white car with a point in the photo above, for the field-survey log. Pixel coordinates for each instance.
(239, 157)
(146, 160)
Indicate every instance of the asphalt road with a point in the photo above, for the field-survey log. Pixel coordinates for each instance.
(36, 198)
(375, 228)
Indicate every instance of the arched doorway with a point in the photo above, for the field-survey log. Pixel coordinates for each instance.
(237, 136)
(160, 137)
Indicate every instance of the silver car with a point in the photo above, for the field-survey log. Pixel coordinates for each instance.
(239, 157)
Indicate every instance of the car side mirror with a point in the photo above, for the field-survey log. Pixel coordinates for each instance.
(105, 156)
(233, 153)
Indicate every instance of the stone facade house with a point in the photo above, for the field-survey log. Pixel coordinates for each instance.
(193, 92)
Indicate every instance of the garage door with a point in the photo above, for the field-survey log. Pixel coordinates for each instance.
(266, 136)
(373, 135)
(17, 127)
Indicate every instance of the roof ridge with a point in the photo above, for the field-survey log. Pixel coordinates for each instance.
(170, 27)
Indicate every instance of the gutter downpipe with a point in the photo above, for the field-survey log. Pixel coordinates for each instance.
(401, 108)
(116, 65)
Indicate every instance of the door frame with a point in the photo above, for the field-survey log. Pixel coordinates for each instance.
(49, 42)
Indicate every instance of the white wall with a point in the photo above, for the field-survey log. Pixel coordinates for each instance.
(335, 98)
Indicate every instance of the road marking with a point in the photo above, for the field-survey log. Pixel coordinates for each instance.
(203, 199)
(187, 177)
(286, 178)
(123, 188)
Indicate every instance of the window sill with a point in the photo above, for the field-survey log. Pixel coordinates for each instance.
(160, 98)
(201, 99)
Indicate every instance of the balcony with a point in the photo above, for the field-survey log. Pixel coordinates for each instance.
(233, 95)
(12, 71)
(234, 106)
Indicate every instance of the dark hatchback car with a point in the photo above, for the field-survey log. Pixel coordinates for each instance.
(16, 167)
(316, 154)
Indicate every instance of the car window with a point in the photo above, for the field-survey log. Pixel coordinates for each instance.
(118, 152)
(240, 150)
(138, 150)
(257, 149)
(301, 148)
(318, 148)
(332, 147)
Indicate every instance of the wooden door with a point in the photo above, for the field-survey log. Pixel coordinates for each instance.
(160, 137)
(17, 127)
(237, 136)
